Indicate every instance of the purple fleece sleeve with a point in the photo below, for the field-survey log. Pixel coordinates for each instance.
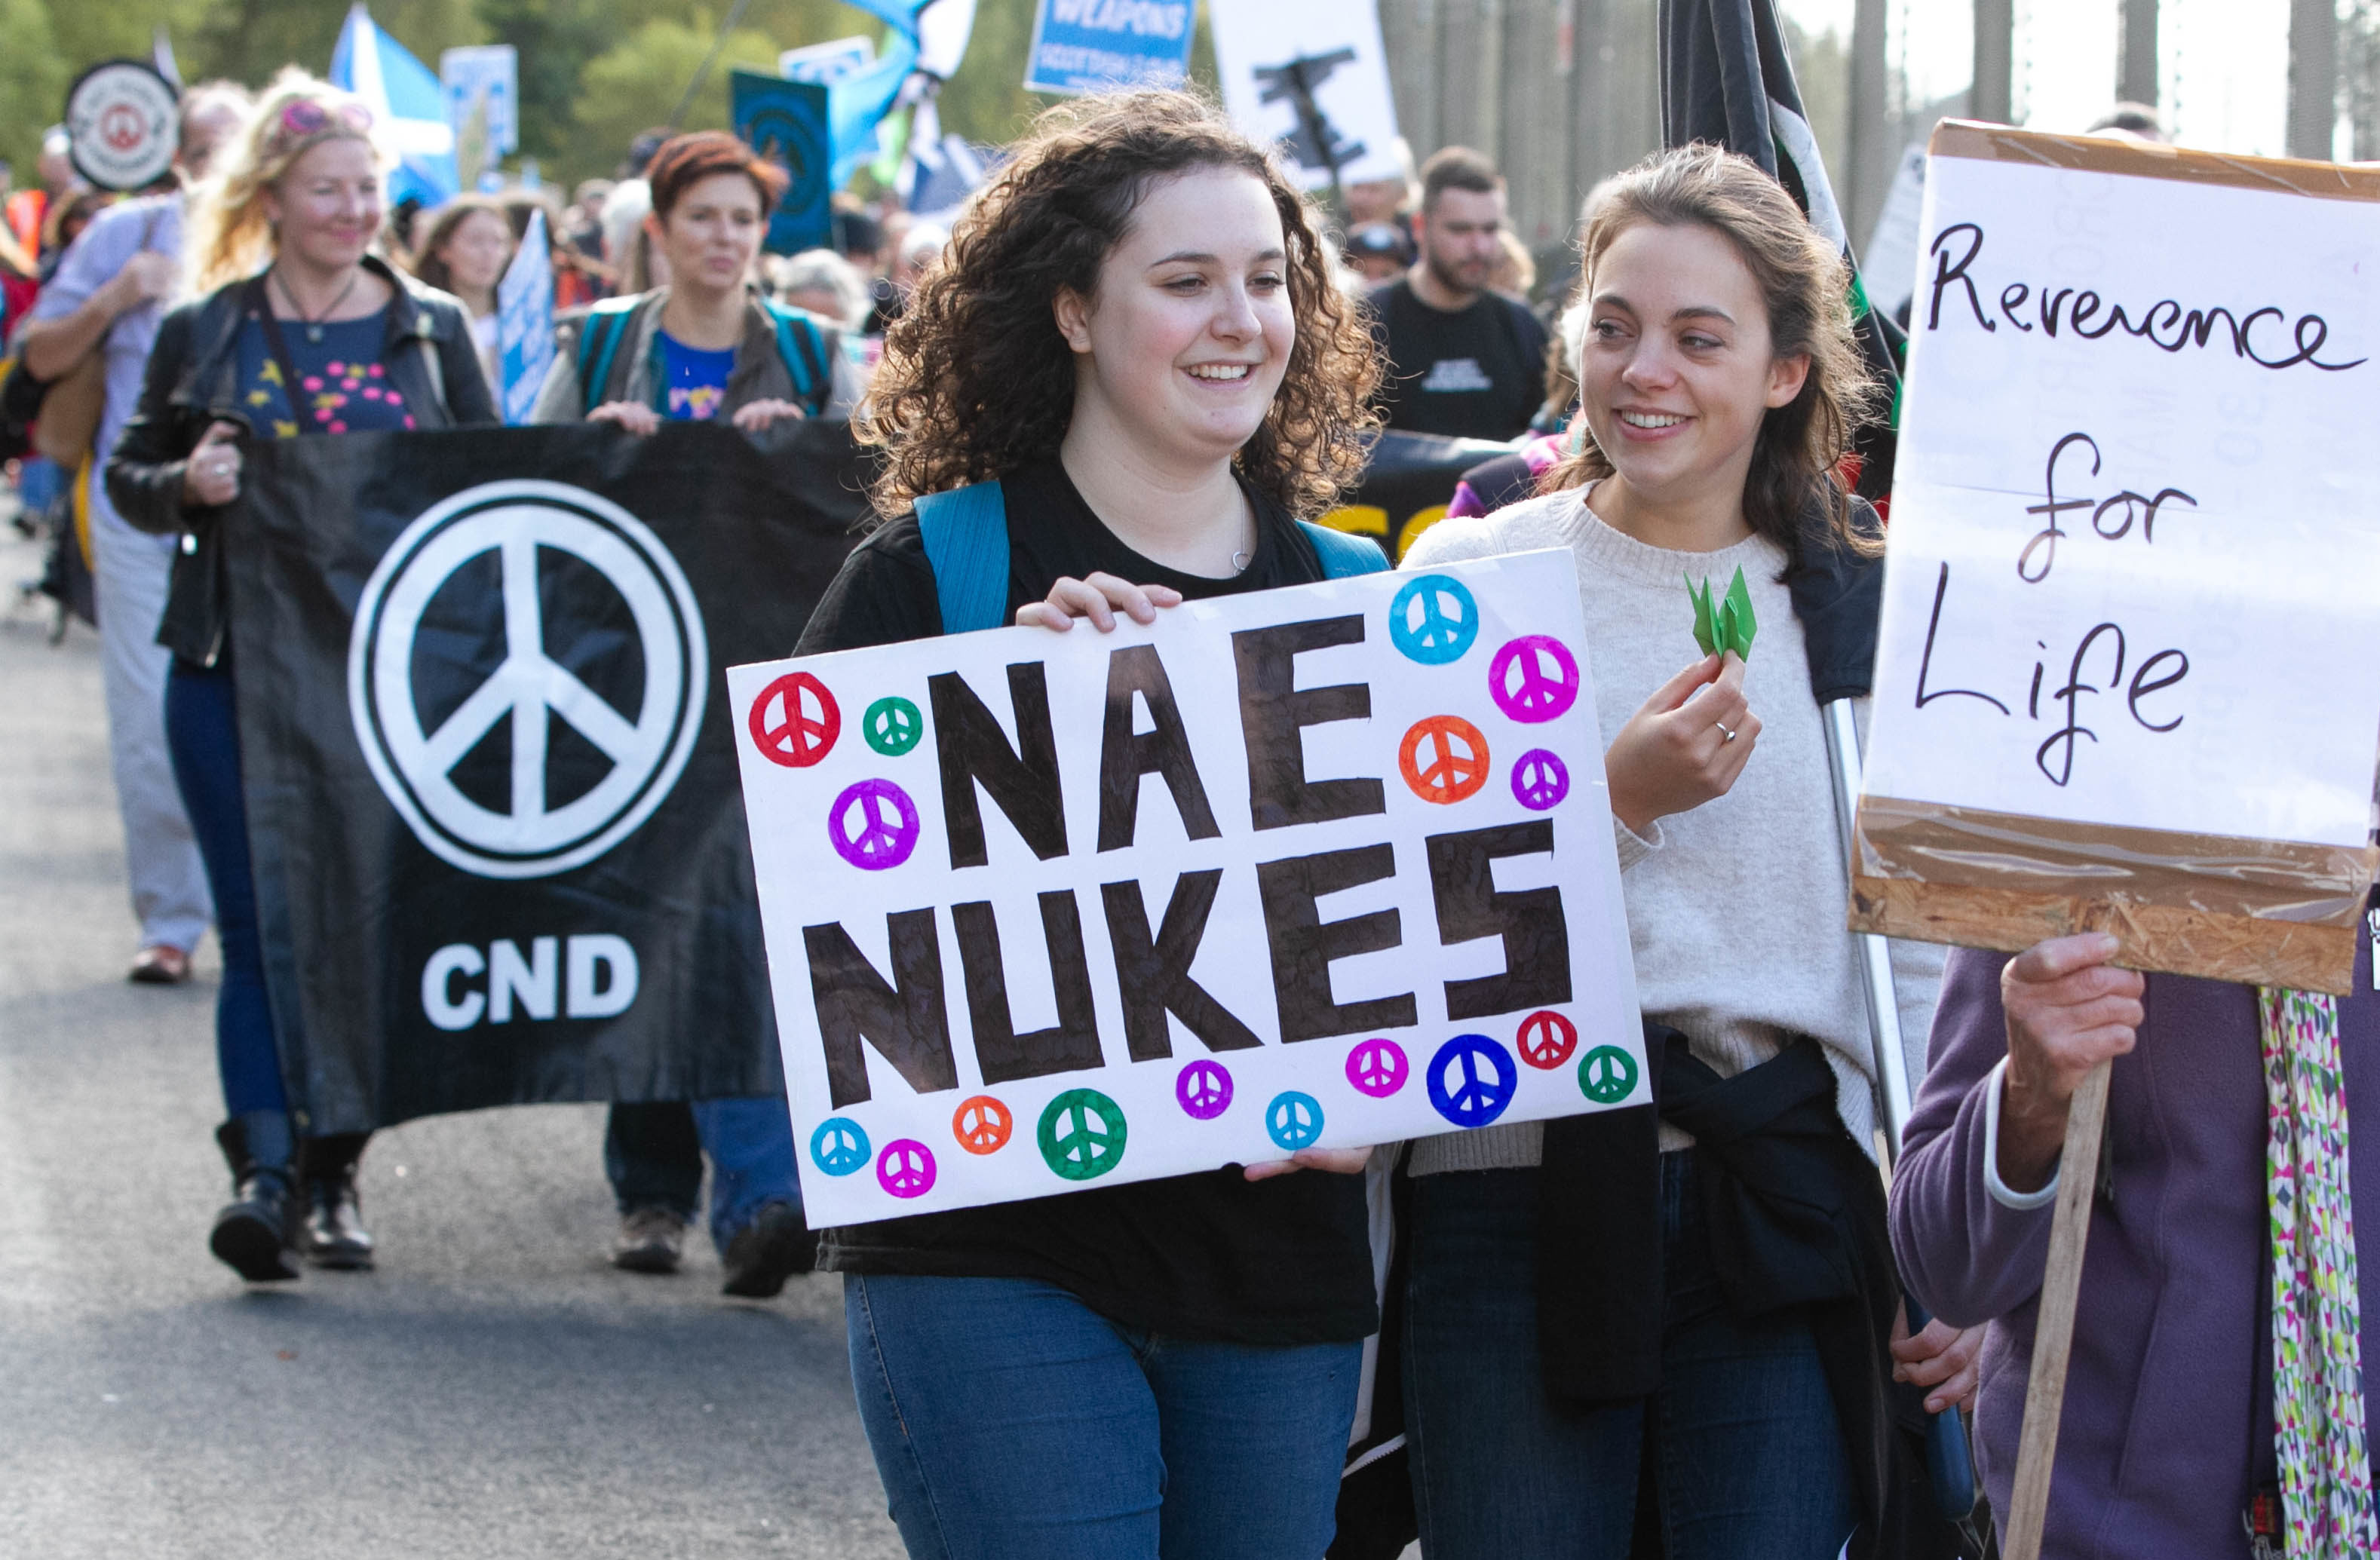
(1963, 1253)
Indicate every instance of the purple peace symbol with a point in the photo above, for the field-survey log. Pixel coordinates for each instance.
(1540, 779)
(906, 1169)
(861, 833)
(1534, 678)
(1377, 1068)
(1203, 1090)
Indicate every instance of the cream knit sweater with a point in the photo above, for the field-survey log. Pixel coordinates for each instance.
(1735, 909)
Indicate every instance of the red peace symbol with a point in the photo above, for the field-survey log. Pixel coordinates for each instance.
(1455, 765)
(1534, 678)
(1547, 1039)
(982, 1125)
(121, 126)
(806, 727)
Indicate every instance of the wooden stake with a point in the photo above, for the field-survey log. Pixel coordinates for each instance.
(2053, 1338)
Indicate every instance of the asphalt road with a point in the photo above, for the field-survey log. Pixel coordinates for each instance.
(495, 1389)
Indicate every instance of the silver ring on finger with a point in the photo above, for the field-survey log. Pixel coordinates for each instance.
(1723, 727)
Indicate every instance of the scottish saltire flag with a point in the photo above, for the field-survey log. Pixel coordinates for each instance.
(524, 323)
(408, 104)
(1726, 79)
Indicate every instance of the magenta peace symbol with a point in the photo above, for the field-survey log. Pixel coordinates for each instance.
(906, 1169)
(1203, 1090)
(1540, 779)
(1377, 1068)
(1534, 678)
(873, 824)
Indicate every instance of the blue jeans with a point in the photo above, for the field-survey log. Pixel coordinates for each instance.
(1748, 1459)
(1011, 1421)
(202, 737)
(654, 1152)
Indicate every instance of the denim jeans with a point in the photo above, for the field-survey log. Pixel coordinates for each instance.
(654, 1152)
(1011, 1421)
(202, 736)
(1748, 1459)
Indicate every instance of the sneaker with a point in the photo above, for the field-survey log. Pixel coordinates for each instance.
(160, 964)
(650, 1241)
(766, 1252)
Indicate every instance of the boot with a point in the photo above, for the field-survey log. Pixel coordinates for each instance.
(251, 1234)
(333, 1234)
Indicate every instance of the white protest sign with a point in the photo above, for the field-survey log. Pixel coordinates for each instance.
(1316, 867)
(1267, 50)
(2132, 598)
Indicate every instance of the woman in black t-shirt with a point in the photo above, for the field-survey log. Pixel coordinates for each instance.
(1135, 332)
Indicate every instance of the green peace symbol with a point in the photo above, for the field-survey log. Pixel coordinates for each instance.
(1606, 1074)
(1081, 1134)
(893, 726)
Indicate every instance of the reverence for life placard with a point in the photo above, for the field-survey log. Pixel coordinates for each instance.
(2129, 667)
(1324, 867)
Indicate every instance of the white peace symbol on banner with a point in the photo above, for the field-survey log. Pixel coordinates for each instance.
(647, 747)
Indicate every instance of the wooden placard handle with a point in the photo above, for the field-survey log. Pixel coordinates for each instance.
(2053, 1338)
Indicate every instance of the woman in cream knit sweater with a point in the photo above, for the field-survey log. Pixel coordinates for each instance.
(1578, 1318)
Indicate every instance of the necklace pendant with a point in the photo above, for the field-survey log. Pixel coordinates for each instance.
(315, 334)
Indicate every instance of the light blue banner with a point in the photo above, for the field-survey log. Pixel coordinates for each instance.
(525, 322)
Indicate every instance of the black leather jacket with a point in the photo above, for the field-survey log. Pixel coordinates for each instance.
(193, 381)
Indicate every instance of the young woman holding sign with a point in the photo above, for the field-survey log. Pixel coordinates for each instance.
(1136, 334)
(1699, 1303)
(300, 330)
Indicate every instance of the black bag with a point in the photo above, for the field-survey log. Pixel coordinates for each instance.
(20, 403)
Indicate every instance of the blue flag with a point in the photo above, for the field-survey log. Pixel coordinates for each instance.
(786, 123)
(408, 103)
(525, 322)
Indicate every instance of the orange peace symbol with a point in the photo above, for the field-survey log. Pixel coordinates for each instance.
(982, 1125)
(1451, 765)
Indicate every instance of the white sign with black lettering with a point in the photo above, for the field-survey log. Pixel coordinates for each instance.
(1305, 869)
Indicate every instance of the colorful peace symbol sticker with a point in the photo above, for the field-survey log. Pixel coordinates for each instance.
(1433, 620)
(892, 726)
(1203, 1089)
(1540, 779)
(1534, 678)
(906, 1169)
(1081, 1134)
(1459, 1090)
(873, 824)
(1606, 1074)
(1294, 1121)
(795, 721)
(1547, 1039)
(982, 1125)
(839, 1146)
(1443, 758)
(1377, 1068)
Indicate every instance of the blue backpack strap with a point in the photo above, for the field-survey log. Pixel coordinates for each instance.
(1343, 555)
(599, 343)
(803, 349)
(965, 531)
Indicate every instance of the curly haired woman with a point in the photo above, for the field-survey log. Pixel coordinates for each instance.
(1136, 333)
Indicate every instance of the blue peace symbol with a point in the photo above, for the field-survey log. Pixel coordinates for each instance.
(1457, 1090)
(839, 1146)
(1294, 1121)
(1433, 620)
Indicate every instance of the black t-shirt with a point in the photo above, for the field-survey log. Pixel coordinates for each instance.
(1476, 373)
(1285, 1261)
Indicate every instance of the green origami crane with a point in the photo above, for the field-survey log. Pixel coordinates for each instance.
(1728, 624)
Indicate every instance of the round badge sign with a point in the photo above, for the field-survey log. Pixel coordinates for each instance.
(1444, 759)
(873, 824)
(1377, 1068)
(1533, 679)
(1294, 1121)
(1433, 620)
(982, 1125)
(1081, 1134)
(795, 721)
(121, 122)
(1203, 1090)
(892, 726)
(1472, 1079)
(839, 1146)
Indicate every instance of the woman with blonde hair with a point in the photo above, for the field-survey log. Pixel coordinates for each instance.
(296, 329)
(1697, 1296)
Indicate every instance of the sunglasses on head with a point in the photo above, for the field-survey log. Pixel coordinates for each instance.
(304, 117)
